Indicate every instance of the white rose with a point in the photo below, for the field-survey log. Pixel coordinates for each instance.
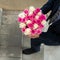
(22, 25)
(35, 26)
(30, 13)
(28, 21)
(22, 15)
(31, 8)
(43, 22)
(27, 31)
(39, 13)
(36, 17)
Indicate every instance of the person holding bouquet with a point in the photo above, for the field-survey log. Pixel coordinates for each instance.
(52, 36)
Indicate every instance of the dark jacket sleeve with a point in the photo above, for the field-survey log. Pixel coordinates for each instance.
(47, 7)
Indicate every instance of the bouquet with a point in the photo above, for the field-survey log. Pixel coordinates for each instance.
(31, 21)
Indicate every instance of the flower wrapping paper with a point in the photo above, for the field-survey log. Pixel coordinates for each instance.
(32, 21)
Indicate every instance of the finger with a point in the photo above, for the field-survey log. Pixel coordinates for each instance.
(33, 36)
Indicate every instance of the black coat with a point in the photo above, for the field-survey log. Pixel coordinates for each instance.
(53, 32)
(51, 5)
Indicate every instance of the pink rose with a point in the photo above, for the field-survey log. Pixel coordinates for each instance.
(26, 11)
(39, 31)
(42, 17)
(20, 19)
(31, 17)
(30, 25)
(23, 29)
(36, 11)
(41, 26)
(33, 32)
(26, 18)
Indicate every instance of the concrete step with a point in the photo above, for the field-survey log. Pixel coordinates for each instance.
(10, 36)
(10, 32)
(51, 52)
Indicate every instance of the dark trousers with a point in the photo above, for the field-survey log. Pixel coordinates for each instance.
(48, 38)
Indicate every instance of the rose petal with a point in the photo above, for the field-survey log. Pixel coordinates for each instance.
(38, 31)
(30, 25)
(33, 32)
(37, 10)
(23, 29)
(26, 11)
(19, 19)
(42, 17)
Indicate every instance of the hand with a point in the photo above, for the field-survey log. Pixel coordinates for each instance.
(33, 36)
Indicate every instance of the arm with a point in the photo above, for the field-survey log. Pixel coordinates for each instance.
(47, 7)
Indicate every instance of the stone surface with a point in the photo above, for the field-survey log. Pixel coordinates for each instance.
(10, 36)
(0, 16)
(10, 40)
(10, 52)
(36, 56)
(6, 58)
(51, 52)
